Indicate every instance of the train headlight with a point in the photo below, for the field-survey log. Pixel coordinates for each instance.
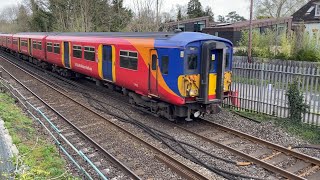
(197, 114)
(193, 92)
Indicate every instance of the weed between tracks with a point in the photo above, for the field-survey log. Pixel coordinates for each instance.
(305, 131)
(38, 159)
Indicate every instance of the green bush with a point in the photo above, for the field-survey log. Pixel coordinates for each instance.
(282, 56)
(241, 52)
(287, 46)
(307, 55)
(297, 107)
(262, 43)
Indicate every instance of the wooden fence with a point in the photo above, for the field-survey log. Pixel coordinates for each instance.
(262, 87)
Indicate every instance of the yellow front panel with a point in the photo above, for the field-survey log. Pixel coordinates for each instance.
(192, 82)
(189, 83)
(212, 84)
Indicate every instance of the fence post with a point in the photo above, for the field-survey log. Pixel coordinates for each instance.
(261, 87)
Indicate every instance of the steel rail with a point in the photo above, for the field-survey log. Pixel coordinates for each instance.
(277, 147)
(263, 164)
(110, 156)
(255, 160)
(181, 168)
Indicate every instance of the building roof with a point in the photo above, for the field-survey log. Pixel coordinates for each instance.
(204, 18)
(307, 13)
(255, 23)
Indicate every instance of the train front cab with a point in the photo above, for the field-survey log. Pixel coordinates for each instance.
(207, 77)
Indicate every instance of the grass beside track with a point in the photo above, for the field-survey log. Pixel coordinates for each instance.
(305, 131)
(37, 159)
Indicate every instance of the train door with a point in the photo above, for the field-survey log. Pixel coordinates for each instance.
(153, 73)
(18, 44)
(66, 55)
(107, 62)
(30, 46)
(215, 73)
(212, 71)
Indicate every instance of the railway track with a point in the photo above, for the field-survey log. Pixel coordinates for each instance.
(269, 154)
(69, 111)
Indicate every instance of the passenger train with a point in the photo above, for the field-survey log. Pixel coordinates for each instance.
(173, 75)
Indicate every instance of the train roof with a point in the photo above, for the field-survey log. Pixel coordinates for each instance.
(187, 37)
(119, 34)
(166, 38)
(5, 34)
(180, 39)
(37, 33)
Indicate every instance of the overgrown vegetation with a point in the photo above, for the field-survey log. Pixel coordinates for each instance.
(297, 107)
(273, 44)
(37, 158)
(293, 124)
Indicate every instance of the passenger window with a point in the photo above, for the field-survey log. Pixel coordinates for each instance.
(56, 48)
(24, 43)
(34, 44)
(129, 60)
(77, 51)
(15, 42)
(165, 64)
(40, 45)
(154, 62)
(49, 47)
(192, 61)
(89, 53)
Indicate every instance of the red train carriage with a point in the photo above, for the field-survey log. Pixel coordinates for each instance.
(6, 41)
(73, 53)
(2, 40)
(172, 75)
(31, 45)
(162, 72)
(120, 60)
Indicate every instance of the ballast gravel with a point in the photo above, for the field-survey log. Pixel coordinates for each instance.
(264, 130)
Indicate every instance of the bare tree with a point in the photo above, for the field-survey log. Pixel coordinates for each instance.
(277, 8)
(145, 18)
(14, 19)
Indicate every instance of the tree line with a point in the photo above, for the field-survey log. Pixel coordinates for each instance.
(113, 16)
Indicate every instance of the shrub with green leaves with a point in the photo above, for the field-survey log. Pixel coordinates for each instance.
(297, 107)
(287, 46)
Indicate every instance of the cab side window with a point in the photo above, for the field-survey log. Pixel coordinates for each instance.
(154, 62)
(165, 65)
(192, 61)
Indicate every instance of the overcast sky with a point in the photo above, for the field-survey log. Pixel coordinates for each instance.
(219, 7)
